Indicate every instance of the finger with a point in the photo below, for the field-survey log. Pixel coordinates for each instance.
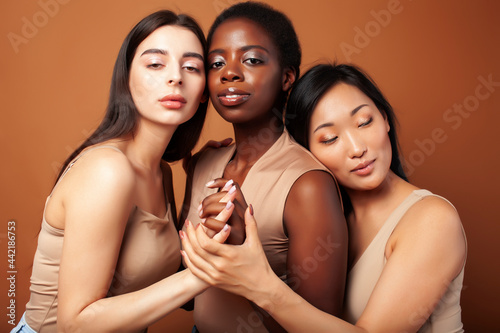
(212, 209)
(212, 226)
(219, 183)
(252, 235)
(229, 195)
(225, 214)
(226, 142)
(223, 234)
(209, 249)
(193, 261)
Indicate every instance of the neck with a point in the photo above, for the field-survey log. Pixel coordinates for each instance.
(365, 201)
(148, 145)
(253, 141)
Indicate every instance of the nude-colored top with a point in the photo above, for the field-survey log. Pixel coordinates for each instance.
(149, 253)
(363, 277)
(266, 187)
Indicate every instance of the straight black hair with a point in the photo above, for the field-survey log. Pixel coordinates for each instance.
(121, 113)
(315, 83)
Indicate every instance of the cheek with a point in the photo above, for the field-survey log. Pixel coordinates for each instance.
(329, 156)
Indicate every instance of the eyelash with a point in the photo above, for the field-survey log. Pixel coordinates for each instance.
(368, 122)
(329, 141)
(216, 64)
(155, 66)
(253, 61)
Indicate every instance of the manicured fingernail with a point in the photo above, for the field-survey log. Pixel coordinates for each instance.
(188, 223)
(251, 209)
(183, 253)
(226, 227)
(203, 221)
(229, 183)
(229, 205)
(232, 190)
(200, 213)
(210, 183)
(200, 207)
(181, 234)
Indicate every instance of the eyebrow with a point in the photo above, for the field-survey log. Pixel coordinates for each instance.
(244, 49)
(353, 112)
(164, 52)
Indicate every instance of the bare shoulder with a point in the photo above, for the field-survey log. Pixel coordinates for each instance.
(434, 214)
(314, 183)
(433, 226)
(102, 168)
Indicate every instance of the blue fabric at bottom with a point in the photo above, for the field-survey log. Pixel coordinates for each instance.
(22, 327)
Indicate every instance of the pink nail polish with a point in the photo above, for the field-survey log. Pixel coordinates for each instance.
(229, 205)
(232, 190)
(229, 183)
(210, 183)
(226, 227)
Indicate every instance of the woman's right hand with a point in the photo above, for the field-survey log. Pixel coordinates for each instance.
(240, 269)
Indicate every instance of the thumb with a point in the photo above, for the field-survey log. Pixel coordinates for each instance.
(251, 225)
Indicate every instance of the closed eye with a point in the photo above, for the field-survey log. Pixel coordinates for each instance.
(365, 123)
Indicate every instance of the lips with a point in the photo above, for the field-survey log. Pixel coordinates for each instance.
(173, 101)
(363, 168)
(232, 96)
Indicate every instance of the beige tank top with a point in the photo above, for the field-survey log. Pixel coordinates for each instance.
(149, 253)
(364, 275)
(266, 187)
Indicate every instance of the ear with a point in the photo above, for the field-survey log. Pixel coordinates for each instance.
(288, 78)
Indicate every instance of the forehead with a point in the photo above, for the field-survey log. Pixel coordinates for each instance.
(172, 38)
(339, 101)
(240, 32)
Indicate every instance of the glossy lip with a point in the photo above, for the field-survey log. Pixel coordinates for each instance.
(232, 96)
(173, 101)
(363, 168)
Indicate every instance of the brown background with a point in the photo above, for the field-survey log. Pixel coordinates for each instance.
(428, 57)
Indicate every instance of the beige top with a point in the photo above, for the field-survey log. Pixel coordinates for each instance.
(149, 253)
(363, 277)
(266, 187)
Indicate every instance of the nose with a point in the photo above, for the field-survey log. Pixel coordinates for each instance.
(356, 145)
(231, 72)
(174, 75)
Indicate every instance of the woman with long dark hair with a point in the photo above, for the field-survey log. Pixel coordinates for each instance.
(108, 249)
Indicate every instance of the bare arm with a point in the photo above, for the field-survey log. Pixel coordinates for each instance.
(423, 261)
(95, 218)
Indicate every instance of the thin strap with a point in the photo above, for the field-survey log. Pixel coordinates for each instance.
(76, 159)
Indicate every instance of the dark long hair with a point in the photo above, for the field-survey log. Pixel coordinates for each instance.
(121, 113)
(278, 27)
(309, 89)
